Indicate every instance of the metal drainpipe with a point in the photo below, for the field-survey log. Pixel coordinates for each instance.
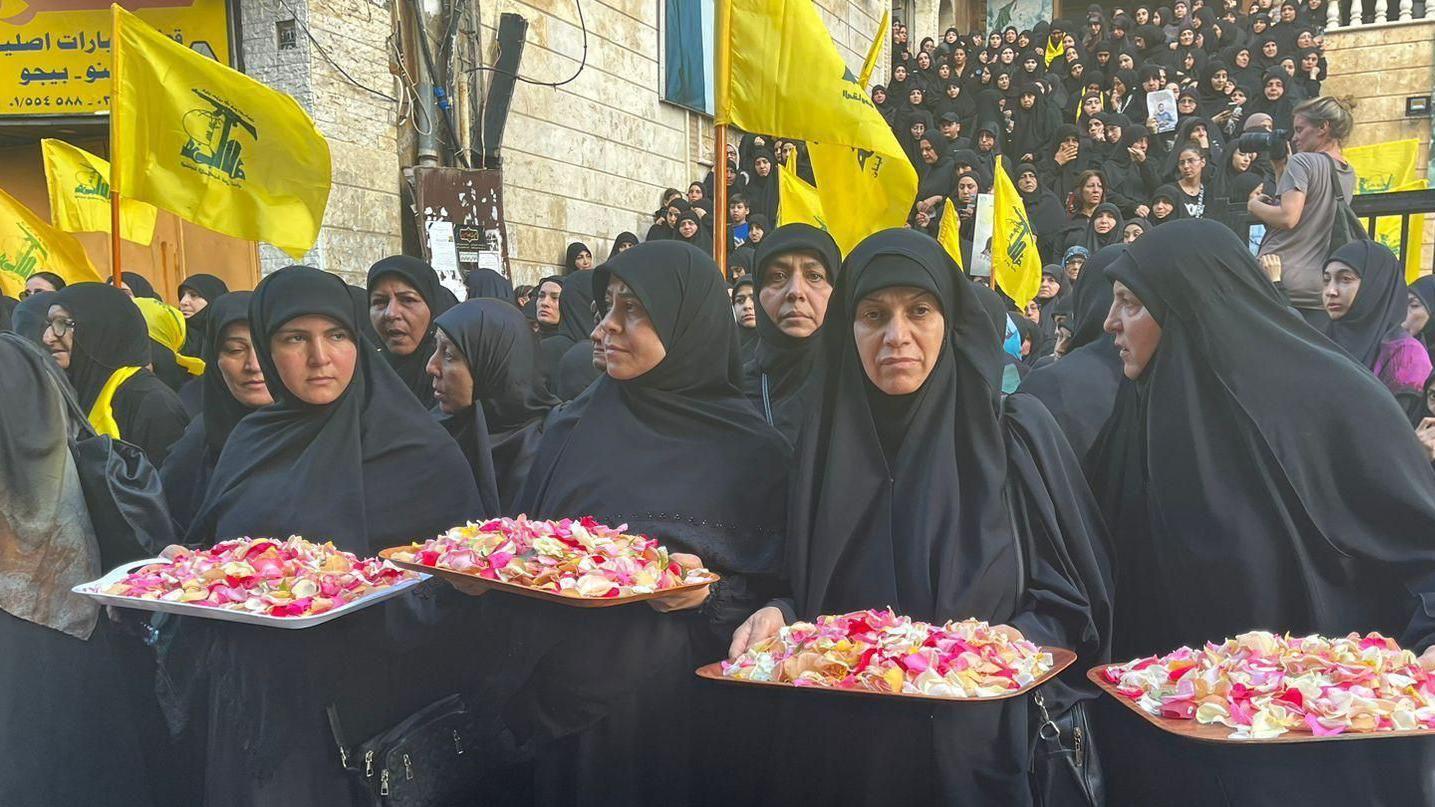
(430, 151)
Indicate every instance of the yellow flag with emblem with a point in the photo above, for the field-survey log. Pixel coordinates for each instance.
(1384, 167)
(800, 201)
(1016, 265)
(779, 73)
(949, 233)
(212, 145)
(79, 184)
(884, 30)
(28, 244)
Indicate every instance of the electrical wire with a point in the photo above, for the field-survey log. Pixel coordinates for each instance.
(582, 63)
(330, 59)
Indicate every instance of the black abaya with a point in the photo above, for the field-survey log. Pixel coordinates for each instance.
(369, 470)
(412, 368)
(1256, 478)
(110, 334)
(778, 379)
(498, 435)
(1014, 539)
(209, 288)
(192, 459)
(678, 454)
(575, 324)
(1080, 389)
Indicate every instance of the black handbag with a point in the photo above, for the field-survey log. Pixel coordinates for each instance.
(434, 758)
(123, 493)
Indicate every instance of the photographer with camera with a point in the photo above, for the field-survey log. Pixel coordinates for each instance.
(1300, 216)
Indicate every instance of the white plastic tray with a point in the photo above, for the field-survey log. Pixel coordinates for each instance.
(95, 590)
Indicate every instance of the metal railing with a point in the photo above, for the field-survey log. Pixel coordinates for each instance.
(1411, 207)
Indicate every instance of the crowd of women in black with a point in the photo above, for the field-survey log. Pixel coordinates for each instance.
(1191, 459)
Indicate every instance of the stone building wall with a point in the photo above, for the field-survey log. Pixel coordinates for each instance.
(588, 160)
(362, 223)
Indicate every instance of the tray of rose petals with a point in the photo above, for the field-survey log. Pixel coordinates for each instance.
(1263, 688)
(260, 581)
(576, 562)
(880, 653)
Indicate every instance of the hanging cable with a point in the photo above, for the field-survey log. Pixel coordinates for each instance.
(582, 63)
(330, 59)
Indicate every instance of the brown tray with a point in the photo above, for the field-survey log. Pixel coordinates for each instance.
(1220, 734)
(1060, 660)
(533, 593)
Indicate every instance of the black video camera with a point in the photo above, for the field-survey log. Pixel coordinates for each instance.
(1276, 144)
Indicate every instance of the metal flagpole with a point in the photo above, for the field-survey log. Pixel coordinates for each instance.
(115, 153)
(720, 244)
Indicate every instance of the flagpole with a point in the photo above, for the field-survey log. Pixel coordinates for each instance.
(720, 199)
(114, 150)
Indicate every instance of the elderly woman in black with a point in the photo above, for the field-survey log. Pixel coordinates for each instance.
(483, 382)
(404, 298)
(665, 443)
(344, 454)
(1254, 477)
(910, 404)
(99, 338)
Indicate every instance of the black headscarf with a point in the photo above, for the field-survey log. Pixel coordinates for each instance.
(865, 531)
(484, 282)
(139, 285)
(1211, 478)
(191, 461)
(32, 316)
(500, 351)
(1378, 314)
(1423, 288)
(1094, 240)
(624, 237)
(338, 470)
(210, 288)
(575, 324)
(782, 365)
(7, 308)
(687, 411)
(570, 258)
(110, 333)
(1080, 389)
(424, 280)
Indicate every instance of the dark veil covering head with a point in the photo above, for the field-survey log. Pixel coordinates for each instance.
(32, 316)
(1378, 313)
(500, 351)
(570, 257)
(210, 288)
(207, 286)
(688, 411)
(336, 470)
(575, 307)
(1423, 288)
(191, 461)
(484, 282)
(139, 285)
(413, 271)
(1213, 447)
(624, 237)
(1080, 389)
(110, 333)
(782, 363)
(865, 532)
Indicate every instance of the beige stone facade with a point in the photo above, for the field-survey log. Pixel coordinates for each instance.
(588, 160)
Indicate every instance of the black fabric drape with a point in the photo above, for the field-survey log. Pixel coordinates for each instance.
(1378, 313)
(484, 282)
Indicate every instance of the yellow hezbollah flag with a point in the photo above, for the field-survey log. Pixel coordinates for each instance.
(800, 202)
(28, 245)
(1016, 266)
(1387, 232)
(168, 326)
(212, 145)
(79, 185)
(862, 191)
(949, 234)
(884, 29)
(1384, 167)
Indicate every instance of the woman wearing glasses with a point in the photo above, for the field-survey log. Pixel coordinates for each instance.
(99, 338)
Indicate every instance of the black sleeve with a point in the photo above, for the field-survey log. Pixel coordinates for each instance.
(150, 416)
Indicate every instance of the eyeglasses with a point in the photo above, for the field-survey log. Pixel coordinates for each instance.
(61, 326)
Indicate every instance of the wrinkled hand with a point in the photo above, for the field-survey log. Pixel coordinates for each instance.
(173, 552)
(1271, 265)
(1137, 155)
(1142, 211)
(682, 600)
(1426, 433)
(763, 624)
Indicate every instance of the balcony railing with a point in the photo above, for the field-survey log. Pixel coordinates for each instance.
(1352, 14)
(1411, 207)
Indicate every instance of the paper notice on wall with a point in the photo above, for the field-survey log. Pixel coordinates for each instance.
(443, 257)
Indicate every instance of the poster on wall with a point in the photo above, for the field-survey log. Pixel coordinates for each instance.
(1023, 14)
(55, 54)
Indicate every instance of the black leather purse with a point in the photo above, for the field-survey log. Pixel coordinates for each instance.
(431, 759)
